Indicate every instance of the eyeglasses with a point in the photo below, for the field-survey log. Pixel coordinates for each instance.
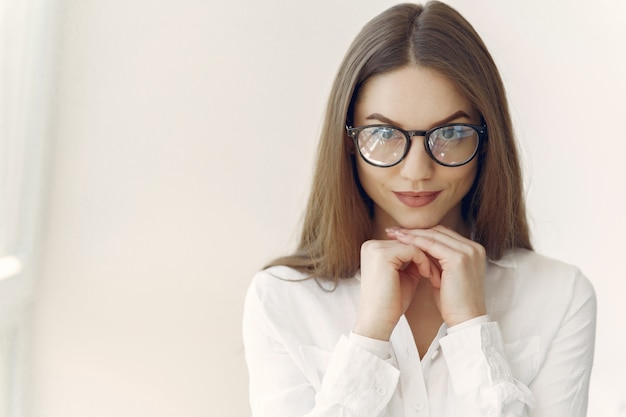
(450, 145)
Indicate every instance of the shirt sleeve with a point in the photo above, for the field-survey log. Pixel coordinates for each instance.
(561, 387)
(357, 382)
(480, 376)
(482, 382)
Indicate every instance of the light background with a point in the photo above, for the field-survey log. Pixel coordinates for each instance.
(182, 144)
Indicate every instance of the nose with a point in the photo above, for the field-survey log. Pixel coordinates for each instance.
(417, 164)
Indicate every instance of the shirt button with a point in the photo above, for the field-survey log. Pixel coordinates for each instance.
(435, 354)
(419, 406)
(381, 391)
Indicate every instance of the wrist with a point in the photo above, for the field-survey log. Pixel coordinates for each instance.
(373, 331)
(455, 320)
(469, 323)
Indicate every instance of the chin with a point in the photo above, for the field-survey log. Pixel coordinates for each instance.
(420, 224)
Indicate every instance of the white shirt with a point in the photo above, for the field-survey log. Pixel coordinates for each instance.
(531, 356)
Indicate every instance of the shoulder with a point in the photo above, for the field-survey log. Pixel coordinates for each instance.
(524, 279)
(537, 269)
(290, 305)
(285, 288)
(283, 279)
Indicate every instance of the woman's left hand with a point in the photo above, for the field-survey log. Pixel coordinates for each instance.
(459, 294)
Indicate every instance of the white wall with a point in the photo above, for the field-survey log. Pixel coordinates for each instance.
(181, 157)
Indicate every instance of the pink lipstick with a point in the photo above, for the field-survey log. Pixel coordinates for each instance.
(417, 199)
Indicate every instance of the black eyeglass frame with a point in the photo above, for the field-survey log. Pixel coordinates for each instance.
(481, 130)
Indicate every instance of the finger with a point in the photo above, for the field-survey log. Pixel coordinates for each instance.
(411, 254)
(440, 243)
(441, 234)
(399, 255)
(435, 278)
(421, 260)
(427, 265)
(428, 243)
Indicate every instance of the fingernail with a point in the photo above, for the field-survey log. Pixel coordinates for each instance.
(399, 233)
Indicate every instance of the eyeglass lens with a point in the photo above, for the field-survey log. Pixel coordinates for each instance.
(450, 145)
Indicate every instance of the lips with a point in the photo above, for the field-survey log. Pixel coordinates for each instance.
(417, 199)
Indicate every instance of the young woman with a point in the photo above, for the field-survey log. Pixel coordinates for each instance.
(414, 290)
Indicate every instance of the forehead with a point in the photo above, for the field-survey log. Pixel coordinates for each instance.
(413, 96)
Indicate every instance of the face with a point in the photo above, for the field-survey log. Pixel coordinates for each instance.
(417, 193)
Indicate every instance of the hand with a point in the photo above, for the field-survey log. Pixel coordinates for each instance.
(459, 293)
(390, 271)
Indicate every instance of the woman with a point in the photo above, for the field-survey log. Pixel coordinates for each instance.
(414, 290)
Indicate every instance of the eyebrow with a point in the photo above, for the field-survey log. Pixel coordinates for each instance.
(457, 115)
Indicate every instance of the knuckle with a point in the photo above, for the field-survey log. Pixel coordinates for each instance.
(430, 239)
(440, 228)
(370, 246)
(477, 250)
(460, 257)
(427, 237)
(366, 245)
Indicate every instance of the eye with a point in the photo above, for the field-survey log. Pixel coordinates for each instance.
(376, 136)
(384, 133)
(451, 132)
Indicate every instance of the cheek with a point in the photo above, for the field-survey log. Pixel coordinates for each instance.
(370, 177)
(467, 177)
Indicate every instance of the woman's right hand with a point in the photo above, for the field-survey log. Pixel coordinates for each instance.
(390, 272)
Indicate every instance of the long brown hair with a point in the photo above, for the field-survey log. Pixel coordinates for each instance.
(339, 214)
